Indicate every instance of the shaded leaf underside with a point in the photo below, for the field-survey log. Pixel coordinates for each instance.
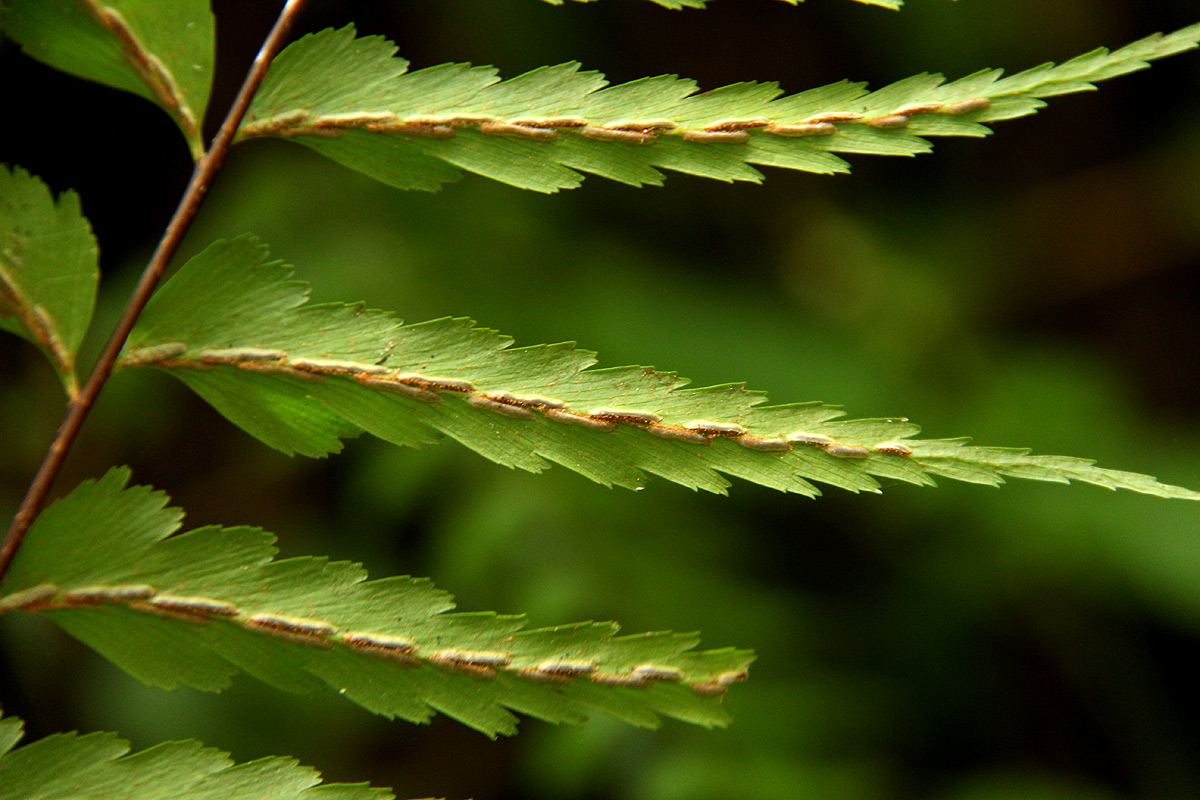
(60, 766)
(679, 4)
(163, 52)
(234, 327)
(48, 268)
(353, 101)
(194, 609)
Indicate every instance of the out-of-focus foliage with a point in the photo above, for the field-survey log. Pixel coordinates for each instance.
(957, 644)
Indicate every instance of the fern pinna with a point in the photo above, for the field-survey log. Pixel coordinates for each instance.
(234, 327)
(107, 562)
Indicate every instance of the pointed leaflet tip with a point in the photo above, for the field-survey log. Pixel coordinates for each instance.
(192, 609)
(541, 130)
(307, 376)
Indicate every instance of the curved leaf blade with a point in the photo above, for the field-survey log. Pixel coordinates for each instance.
(163, 52)
(48, 269)
(681, 4)
(193, 609)
(351, 100)
(59, 765)
(235, 328)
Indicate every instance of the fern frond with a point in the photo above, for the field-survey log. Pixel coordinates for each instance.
(195, 608)
(680, 4)
(351, 100)
(234, 327)
(163, 52)
(48, 269)
(61, 765)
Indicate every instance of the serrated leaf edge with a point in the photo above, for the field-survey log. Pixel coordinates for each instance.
(788, 134)
(312, 632)
(898, 457)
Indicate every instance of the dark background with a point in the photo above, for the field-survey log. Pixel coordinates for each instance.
(1036, 288)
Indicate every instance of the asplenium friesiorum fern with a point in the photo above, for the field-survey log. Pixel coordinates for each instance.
(107, 562)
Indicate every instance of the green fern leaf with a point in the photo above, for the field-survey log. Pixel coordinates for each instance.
(680, 4)
(48, 269)
(195, 608)
(351, 100)
(163, 52)
(61, 765)
(234, 327)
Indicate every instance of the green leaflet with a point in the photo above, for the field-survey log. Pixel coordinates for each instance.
(163, 52)
(235, 328)
(678, 4)
(353, 101)
(58, 765)
(193, 609)
(48, 269)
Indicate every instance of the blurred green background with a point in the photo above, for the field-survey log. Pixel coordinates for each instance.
(1036, 288)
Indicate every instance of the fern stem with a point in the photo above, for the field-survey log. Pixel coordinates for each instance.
(202, 177)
